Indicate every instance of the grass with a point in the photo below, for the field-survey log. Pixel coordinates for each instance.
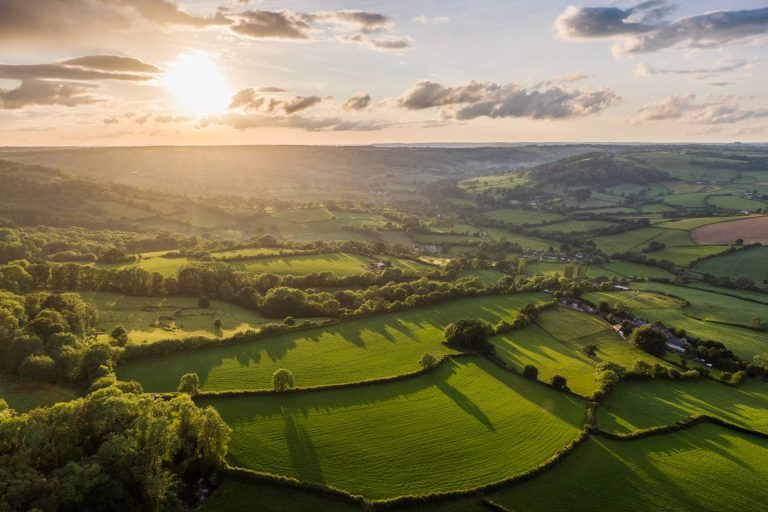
(149, 319)
(750, 262)
(684, 255)
(27, 396)
(629, 269)
(626, 241)
(488, 277)
(695, 200)
(706, 468)
(576, 226)
(642, 404)
(338, 263)
(236, 495)
(652, 307)
(466, 424)
(735, 203)
(550, 268)
(694, 222)
(555, 346)
(524, 217)
(366, 348)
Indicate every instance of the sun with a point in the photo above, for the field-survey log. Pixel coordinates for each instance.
(197, 84)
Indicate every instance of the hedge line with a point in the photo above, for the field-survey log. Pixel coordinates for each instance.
(492, 505)
(329, 387)
(676, 427)
(504, 366)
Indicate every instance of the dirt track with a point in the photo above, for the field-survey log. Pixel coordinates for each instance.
(754, 229)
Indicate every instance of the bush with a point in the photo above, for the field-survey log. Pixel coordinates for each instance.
(189, 384)
(38, 368)
(428, 361)
(204, 302)
(289, 320)
(468, 334)
(559, 382)
(282, 379)
(649, 339)
(530, 372)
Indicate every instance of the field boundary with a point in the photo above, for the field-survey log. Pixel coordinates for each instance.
(685, 424)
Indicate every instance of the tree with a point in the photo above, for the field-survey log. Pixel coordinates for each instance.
(530, 310)
(467, 334)
(590, 349)
(120, 335)
(189, 384)
(744, 282)
(650, 339)
(531, 372)
(282, 379)
(559, 382)
(204, 302)
(217, 323)
(428, 361)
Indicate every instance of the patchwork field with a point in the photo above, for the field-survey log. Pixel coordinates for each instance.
(366, 348)
(338, 263)
(641, 404)
(463, 425)
(705, 468)
(149, 319)
(524, 217)
(752, 263)
(25, 396)
(735, 202)
(751, 230)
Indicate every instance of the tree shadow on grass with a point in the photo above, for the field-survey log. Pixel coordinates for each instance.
(303, 454)
(466, 404)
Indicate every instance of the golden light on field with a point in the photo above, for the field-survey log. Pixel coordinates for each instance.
(198, 85)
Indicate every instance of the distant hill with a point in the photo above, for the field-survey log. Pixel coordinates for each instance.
(603, 169)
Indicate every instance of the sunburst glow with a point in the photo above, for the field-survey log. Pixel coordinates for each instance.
(198, 85)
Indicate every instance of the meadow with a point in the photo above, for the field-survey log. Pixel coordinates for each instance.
(636, 404)
(24, 396)
(705, 468)
(341, 264)
(382, 441)
(524, 217)
(750, 263)
(367, 348)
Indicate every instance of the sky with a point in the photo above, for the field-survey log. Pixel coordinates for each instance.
(147, 72)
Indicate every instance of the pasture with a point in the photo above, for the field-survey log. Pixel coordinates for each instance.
(694, 222)
(463, 425)
(23, 396)
(366, 348)
(342, 264)
(524, 217)
(576, 226)
(751, 230)
(149, 319)
(664, 402)
(706, 469)
(749, 262)
(735, 202)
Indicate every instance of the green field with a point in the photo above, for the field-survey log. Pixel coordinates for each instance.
(684, 255)
(694, 222)
(626, 241)
(576, 226)
(706, 469)
(629, 269)
(25, 396)
(658, 308)
(463, 425)
(695, 200)
(665, 402)
(524, 217)
(488, 277)
(751, 262)
(735, 202)
(149, 319)
(341, 264)
(551, 268)
(366, 348)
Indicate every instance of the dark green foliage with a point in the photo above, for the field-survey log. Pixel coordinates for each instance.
(598, 169)
(650, 339)
(204, 302)
(531, 372)
(468, 334)
(559, 382)
(282, 380)
(189, 384)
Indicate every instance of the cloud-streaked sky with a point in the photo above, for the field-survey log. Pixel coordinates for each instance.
(116, 72)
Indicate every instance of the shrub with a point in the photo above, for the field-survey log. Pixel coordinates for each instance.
(428, 361)
(189, 384)
(559, 382)
(282, 379)
(649, 339)
(531, 372)
(204, 302)
(467, 334)
(36, 367)
(289, 320)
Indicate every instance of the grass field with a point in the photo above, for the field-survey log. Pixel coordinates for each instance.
(751, 262)
(626, 241)
(556, 347)
(488, 277)
(629, 269)
(641, 404)
(695, 200)
(23, 397)
(550, 268)
(463, 425)
(694, 222)
(366, 348)
(235, 495)
(524, 217)
(658, 308)
(338, 263)
(149, 319)
(576, 226)
(706, 469)
(683, 255)
(735, 202)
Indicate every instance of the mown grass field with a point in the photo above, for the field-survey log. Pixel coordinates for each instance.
(149, 319)
(551, 268)
(366, 348)
(338, 263)
(524, 217)
(683, 255)
(641, 404)
(735, 202)
(626, 241)
(629, 269)
(576, 226)
(751, 263)
(463, 425)
(488, 277)
(672, 312)
(694, 222)
(706, 469)
(25, 396)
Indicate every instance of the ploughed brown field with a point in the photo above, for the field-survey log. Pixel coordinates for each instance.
(751, 230)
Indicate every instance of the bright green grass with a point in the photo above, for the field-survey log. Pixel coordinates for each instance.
(523, 217)
(626, 241)
(683, 255)
(463, 425)
(674, 238)
(657, 308)
(339, 263)
(556, 347)
(303, 215)
(235, 495)
(151, 262)
(576, 226)
(488, 277)
(551, 268)
(735, 203)
(656, 208)
(629, 269)
(750, 262)
(695, 222)
(26, 396)
(529, 242)
(366, 348)
(252, 251)
(141, 317)
(706, 468)
(635, 405)
(695, 200)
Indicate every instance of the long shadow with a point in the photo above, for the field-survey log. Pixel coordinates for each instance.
(466, 404)
(304, 457)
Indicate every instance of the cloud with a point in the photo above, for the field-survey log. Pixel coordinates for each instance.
(575, 77)
(646, 70)
(687, 108)
(63, 71)
(272, 89)
(310, 124)
(431, 20)
(644, 29)
(359, 101)
(111, 120)
(41, 92)
(366, 22)
(492, 100)
(272, 24)
(250, 100)
(166, 119)
(112, 63)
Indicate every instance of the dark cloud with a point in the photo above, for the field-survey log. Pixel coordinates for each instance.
(168, 12)
(63, 72)
(272, 24)
(41, 92)
(272, 89)
(111, 120)
(359, 101)
(477, 99)
(249, 99)
(311, 124)
(300, 103)
(112, 63)
(379, 44)
(688, 108)
(644, 29)
(367, 22)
